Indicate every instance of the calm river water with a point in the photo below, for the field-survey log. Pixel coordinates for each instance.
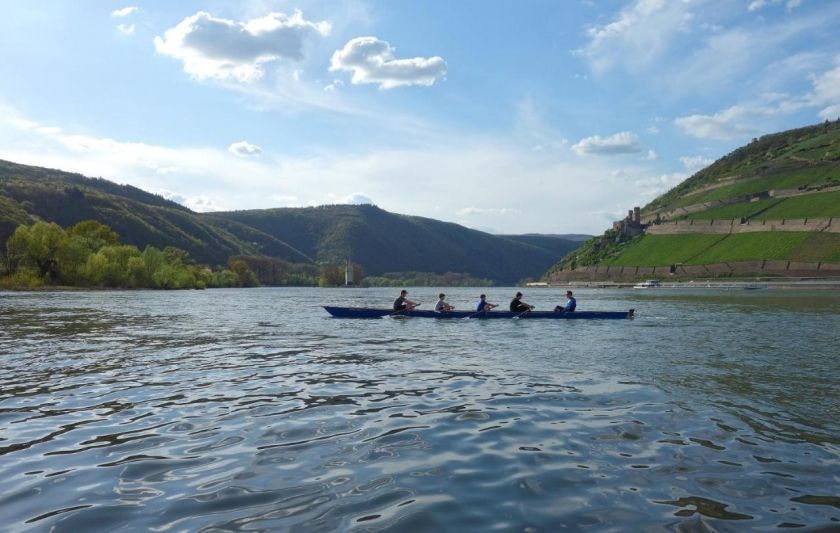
(253, 410)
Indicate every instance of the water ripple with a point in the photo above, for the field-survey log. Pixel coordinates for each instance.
(217, 411)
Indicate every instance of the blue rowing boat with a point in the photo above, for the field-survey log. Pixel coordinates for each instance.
(368, 312)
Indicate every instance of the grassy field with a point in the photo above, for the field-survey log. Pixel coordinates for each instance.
(818, 175)
(818, 247)
(728, 212)
(825, 204)
(661, 250)
(752, 246)
(816, 205)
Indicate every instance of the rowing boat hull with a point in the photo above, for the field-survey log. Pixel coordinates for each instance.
(367, 312)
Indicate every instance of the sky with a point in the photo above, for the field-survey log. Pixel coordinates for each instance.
(509, 117)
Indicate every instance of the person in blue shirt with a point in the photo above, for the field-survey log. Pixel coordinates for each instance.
(484, 305)
(570, 305)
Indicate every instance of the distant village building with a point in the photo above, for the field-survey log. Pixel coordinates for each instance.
(631, 225)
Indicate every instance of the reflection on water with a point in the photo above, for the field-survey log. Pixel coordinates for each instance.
(252, 409)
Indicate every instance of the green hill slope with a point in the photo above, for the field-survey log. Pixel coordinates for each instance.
(378, 240)
(385, 242)
(774, 199)
(30, 193)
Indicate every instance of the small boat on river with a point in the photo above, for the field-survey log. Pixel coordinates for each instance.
(648, 284)
(368, 312)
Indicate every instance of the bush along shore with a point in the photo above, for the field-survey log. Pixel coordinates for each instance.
(90, 254)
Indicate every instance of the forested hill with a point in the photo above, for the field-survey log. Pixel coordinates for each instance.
(380, 241)
(770, 205)
(140, 218)
(387, 242)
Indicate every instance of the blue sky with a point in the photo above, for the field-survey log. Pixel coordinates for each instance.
(509, 117)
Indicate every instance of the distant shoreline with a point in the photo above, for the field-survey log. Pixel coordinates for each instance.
(805, 284)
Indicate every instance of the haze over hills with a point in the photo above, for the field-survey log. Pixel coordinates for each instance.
(380, 241)
(771, 206)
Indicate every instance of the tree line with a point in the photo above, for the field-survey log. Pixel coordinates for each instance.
(89, 254)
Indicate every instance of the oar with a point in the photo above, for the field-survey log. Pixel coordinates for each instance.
(475, 314)
(522, 313)
(407, 309)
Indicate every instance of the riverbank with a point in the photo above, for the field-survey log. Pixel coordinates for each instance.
(741, 284)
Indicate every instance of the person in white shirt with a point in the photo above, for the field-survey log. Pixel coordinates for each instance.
(441, 306)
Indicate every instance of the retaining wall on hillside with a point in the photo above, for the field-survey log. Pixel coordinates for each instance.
(763, 268)
(722, 227)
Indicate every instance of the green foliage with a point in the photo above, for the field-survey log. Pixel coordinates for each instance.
(279, 273)
(789, 159)
(331, 276)
(29, 193)
(375, 239)
(805, 159)
(425, 279)
(243, 272)
(21, 279)
(89, 254)
(386, 242)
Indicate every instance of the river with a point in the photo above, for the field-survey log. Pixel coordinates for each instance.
(251, 409)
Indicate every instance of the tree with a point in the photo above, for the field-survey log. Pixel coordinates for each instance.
(246, 276)
(36, 247)
(331, 276)
(94, 234)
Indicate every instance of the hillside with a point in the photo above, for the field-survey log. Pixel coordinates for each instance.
(140, 218)
(386, 242)
(771, 206)
(379, 241)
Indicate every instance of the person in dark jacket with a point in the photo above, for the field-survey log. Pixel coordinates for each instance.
(518, 306)
(402, 303)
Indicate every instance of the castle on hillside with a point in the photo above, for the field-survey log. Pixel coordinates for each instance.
(631, 225)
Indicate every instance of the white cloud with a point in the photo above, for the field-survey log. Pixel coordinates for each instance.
(695, 163)
(244, 149)
(651, 155)
(356, 198)
(472, 211)
(640, 33)
(372, 61)
(126, 29)
(125, 11)
(755, 5)
(201, 203)
(743, 120)
(735, 122)
(444, 170)
(653, 130)
(652, 187)
(334, 86)
(620, 143)
(224, 49)
(827, 91)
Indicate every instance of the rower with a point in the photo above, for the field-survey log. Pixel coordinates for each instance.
(569, 306)
(441, 306)
(484, 305)
(402, 303)
(518, 306)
